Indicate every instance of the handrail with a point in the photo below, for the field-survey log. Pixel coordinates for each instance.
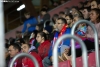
(2, 57)
(24, 54)
(65, 36)
(96, 42)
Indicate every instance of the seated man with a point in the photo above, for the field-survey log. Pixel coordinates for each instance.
(29, 23)
(14, 49)
(62, 29)
(26, 62)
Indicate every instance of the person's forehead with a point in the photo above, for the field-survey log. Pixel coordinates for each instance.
(11, 47)
(24, 44)
(93, 2)
(67, 17)
(59, 20)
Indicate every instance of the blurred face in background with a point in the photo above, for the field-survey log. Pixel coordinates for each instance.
(68, 19)
(39, 38)
(94, 5)
(27, 16)
(98, 6)
(25, 48)
(85, 14)
(93, 16)
(60, 24)
(12, 51)
(73, 11)
(37, 28)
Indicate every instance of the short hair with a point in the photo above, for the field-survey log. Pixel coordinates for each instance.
(88, 8)
(79, 14)
(44, 10)
(16, 46)
(26, 13)
(26, 41)
(75, 7)
(70, 16)
(63, 20)
(61, 12)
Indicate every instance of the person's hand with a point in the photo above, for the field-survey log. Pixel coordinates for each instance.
(60, 59)
(28, 25)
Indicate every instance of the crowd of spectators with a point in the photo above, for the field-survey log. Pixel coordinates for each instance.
(40, 33)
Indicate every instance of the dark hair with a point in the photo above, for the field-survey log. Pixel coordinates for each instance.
(55, 16)
(16, 46)
(79, 14)
(44, 10)
(97, 12)
(70, 16)
(61, 12)
(63, 20)
(75, 7)
(26, 13)
(35, 32)
(43, 35)
(88, 8)
(40, 27)
(26, 41)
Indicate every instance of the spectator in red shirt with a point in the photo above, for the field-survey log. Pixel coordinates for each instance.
(43, 49)
(27, 62)
(14, 49)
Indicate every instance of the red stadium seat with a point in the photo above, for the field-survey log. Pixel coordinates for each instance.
(79, 62)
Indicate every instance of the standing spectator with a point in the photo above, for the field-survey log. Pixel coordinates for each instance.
(29, 23)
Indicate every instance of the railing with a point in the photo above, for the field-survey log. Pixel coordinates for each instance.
(84, 50)
(23, 55)
(96, 42)
(2, 57)
(55, 53)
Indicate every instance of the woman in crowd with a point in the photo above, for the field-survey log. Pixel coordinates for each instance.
(44, 46)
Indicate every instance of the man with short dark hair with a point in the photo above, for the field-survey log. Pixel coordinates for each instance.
(27, 62)
(62, 29)
(13, 50)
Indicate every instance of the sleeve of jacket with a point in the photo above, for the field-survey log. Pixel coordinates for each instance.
(24, 27)
(34, 22)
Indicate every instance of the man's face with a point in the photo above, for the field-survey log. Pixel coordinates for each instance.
(43, 13)
(59, 24)
(68, 19)
(73, 11)
(94, 5)
(85, 13)
(75, 19)
(27, 16)
(12, 51)
(25, 48)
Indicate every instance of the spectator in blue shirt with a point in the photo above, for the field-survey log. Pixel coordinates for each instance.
(62, 29)
(29, 23)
